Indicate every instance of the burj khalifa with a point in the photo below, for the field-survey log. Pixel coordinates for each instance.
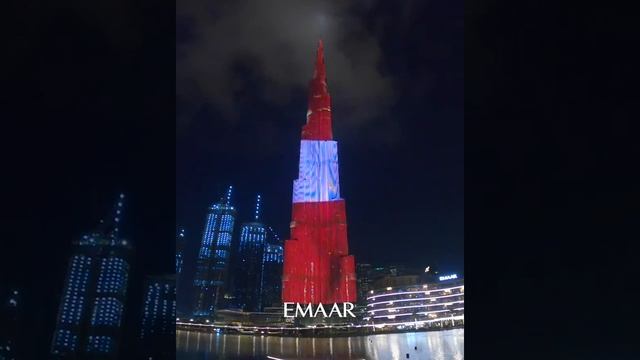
(317, 265)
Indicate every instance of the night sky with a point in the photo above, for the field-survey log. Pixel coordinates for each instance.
(89, 95)
(395, 73)
(89, 115)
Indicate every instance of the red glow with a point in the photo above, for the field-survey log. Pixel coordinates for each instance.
(317, 264)
(318, 125)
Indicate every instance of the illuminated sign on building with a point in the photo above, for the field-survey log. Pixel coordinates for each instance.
(448, 277)
(318, 175)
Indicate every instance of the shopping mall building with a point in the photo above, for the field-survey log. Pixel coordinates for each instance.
(437, 304)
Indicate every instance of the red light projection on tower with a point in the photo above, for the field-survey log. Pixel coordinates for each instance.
(317, 265)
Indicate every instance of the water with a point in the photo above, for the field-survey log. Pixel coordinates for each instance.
(432, 345)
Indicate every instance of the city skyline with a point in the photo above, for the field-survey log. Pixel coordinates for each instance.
(401, 151)
(259, 232)
(487, 138)
(246, 211)
(115, 160)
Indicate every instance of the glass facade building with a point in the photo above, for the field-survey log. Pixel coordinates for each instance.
(91, 309)
(213, 257)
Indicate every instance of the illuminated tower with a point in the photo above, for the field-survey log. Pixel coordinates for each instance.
(317, 264)
(89, 323)
(214, 256)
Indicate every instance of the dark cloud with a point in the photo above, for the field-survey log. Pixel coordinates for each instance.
(276, 40)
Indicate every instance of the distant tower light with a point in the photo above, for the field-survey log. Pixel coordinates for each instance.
(257, 213)
(229, 195)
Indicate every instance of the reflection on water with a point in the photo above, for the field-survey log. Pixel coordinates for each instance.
(432, 345)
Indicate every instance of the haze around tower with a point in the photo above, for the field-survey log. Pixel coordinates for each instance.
(275, 41)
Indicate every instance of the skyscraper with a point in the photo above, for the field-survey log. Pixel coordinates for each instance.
(248, 262)
(158, 328)
(364, 281)
(92, 304)
(317, 264)
(213, 257)
(271, 282)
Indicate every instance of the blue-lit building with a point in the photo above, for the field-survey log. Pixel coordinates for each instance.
(158, 328)
(247, 272)
(213, 257)
(271, 281)
(91, 307)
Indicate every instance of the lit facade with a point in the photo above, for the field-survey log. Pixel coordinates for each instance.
(90, 314)
(317, 264)
(158, 330)
(214, 257)
(439, 304)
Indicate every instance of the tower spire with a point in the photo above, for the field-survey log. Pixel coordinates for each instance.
(320, 71)
(257, 214)
(111, 227)
(318, 126)
(117, 216)
(228, 199)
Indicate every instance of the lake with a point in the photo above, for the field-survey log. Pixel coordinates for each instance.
(440, 345)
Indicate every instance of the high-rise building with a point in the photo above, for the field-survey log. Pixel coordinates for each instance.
(213, 258)
(158, 328)
(91, 308)
(248, 262)
(10, 327)
(317, 264)
(364, 281)
(271, 282)
(180, 239)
